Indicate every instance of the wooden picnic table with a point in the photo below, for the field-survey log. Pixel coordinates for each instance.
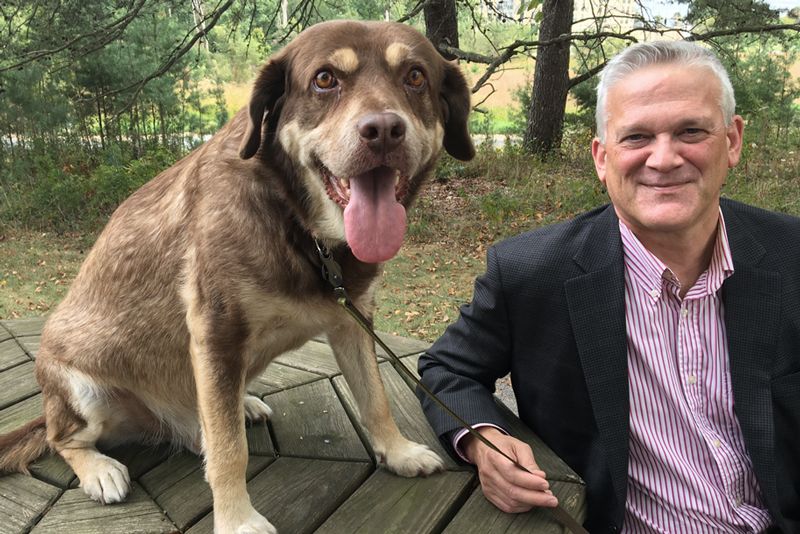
(311, 467)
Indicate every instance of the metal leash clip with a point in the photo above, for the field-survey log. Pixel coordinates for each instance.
(332, 273)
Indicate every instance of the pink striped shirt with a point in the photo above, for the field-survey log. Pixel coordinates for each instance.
(688, 470)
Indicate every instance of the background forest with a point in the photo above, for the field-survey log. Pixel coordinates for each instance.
(96, 97)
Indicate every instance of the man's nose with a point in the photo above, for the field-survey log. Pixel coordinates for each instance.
(664, 154)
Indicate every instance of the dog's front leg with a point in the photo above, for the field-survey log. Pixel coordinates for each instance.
(219, 375)
(355, 354)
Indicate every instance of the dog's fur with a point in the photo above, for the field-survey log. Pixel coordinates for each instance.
(210, 271)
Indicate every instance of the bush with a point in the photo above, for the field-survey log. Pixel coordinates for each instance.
(69, 190)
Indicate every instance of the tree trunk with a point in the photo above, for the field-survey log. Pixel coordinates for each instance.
(441, 24)
(550, 80)
(99, 97)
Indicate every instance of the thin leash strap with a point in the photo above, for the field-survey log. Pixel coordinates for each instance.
(332, 273)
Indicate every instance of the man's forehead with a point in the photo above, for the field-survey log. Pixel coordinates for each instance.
(669, 78)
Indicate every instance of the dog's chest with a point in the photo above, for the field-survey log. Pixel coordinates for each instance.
(277, 325)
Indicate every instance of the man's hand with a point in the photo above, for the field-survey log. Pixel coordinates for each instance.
(505, 485)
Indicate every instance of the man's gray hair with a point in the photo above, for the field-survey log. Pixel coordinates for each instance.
(641, 55)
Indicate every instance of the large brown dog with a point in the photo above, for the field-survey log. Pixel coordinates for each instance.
(210, 271)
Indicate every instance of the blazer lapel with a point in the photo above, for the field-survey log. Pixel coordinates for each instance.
(596, 303)
(752, 292)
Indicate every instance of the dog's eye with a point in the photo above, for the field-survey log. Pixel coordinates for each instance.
(325, 80)
(415, 79)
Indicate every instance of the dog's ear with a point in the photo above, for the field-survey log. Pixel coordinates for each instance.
(456, 105)
(268, 91)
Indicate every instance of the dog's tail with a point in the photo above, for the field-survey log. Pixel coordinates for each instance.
(22, 446)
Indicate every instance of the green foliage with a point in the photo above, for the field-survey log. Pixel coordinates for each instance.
(73, 190)
(726, 14)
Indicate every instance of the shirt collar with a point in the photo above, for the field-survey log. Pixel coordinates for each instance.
(651, 274)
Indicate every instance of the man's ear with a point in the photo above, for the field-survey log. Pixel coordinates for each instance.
(268, 91)
(599, 156)
(456, 105)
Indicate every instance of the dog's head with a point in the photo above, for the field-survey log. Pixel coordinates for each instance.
(361, 110)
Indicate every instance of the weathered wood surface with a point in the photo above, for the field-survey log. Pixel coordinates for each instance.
(17, 383)
(23, 500)
(11, 353)
(311, 468)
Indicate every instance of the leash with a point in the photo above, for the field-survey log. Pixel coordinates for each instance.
(332, 273)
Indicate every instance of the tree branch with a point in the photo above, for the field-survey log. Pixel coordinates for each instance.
(210, 21)
(104, 35)
(520, 46)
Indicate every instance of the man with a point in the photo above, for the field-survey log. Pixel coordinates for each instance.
(653, 344)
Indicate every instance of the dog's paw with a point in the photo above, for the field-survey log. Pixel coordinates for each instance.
(411, 459)
(255, 409)
(254, 524)
(106, 480)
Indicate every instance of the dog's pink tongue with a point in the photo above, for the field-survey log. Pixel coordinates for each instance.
(374, 222)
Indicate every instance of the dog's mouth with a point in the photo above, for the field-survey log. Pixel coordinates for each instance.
(374, 216)
(339, 188)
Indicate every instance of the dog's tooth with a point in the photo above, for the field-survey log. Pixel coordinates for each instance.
(345, 182)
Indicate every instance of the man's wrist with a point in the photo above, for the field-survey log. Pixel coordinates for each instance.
(464, 440)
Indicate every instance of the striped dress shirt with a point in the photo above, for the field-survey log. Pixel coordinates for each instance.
(688, 470)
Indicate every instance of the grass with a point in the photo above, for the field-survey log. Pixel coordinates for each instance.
(466, 208)
(36, 269)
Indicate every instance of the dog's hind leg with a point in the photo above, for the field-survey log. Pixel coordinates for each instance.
(355, 354)
(78, 416)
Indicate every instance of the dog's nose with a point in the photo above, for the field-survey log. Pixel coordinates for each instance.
(382, 132)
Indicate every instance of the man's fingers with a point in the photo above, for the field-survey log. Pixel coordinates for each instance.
(513, 499)
(524, 455)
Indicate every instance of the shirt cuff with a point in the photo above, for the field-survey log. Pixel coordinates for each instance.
(463, 432)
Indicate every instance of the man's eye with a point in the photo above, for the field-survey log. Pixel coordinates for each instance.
(633, 138)
(693, 134)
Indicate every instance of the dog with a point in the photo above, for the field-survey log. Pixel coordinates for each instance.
(211, 270)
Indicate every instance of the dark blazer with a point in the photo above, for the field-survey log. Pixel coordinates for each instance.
(550, 310)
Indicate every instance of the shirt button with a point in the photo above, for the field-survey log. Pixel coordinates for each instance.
(737, 502)
(716, 443)
(684, 312)
(655, 293)
(692, 379)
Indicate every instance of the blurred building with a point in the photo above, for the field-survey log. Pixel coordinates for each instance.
(597, 15)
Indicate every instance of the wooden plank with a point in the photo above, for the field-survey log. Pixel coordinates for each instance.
(401, 346)
(75, 513)
(388, 503)
(297, 495)
(140, 459)
(11, 354)
(4, 333)
(314, 357)
(179, 487)
(479, 515)
(21, 413)
(310, 421)
(30, 344)
(405, 410)
(54, 470)
(22, 501)
(17, 383)
(259, 442)
(277, 377)
(25, 327)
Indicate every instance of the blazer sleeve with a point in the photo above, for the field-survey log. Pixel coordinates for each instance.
(462, 366)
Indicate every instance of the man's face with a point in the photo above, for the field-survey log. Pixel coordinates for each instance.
(667, 150)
